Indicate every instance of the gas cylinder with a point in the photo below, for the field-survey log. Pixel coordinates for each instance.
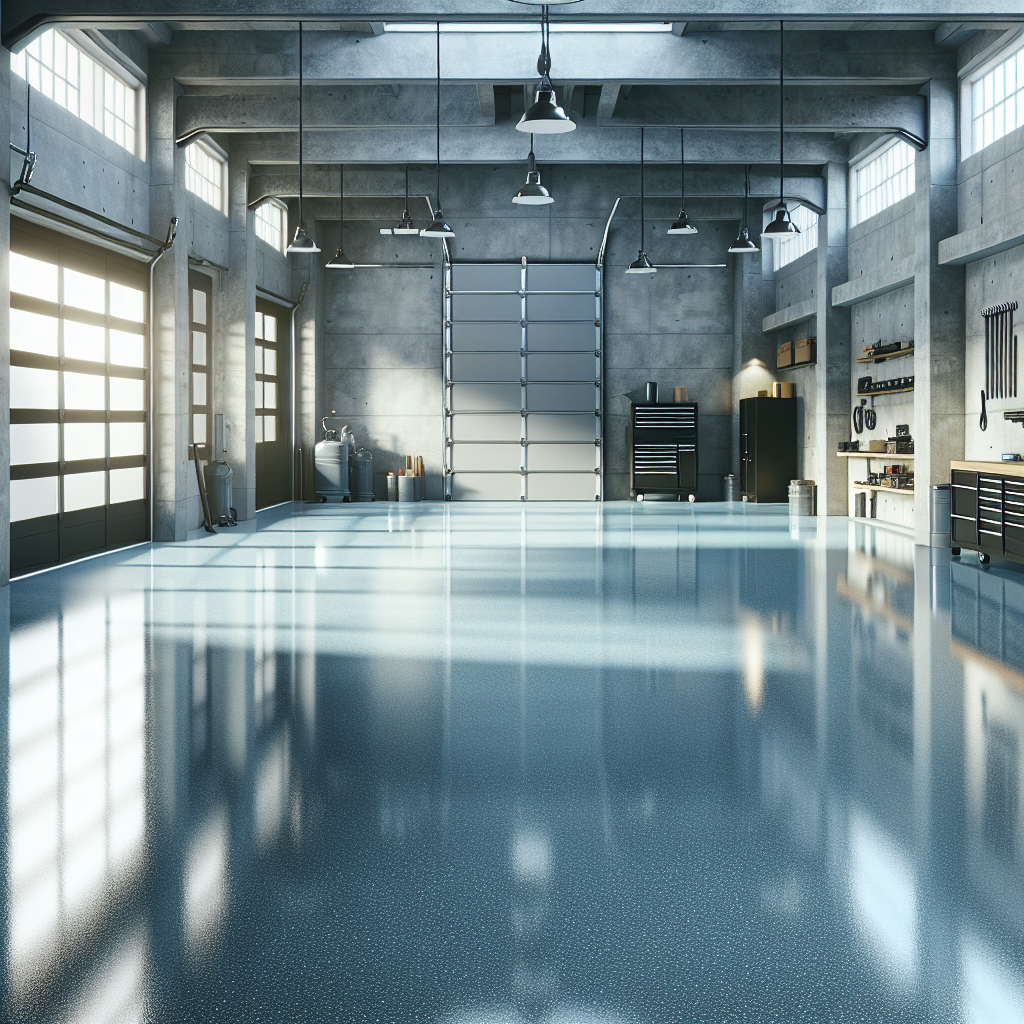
(331, 462)
(362, 476)
(218, 490)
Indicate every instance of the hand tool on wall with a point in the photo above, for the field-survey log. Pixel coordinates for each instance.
(984, 412)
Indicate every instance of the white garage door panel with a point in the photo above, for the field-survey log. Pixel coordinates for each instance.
(561, 366)
(560, 277)
(487, 307)
(487, 487)
(559, 337)
(561, 307)
(562, 486)
(551, 427)
(560, 397)
(548, 457)
(493, 458)
(487, 277)
(487, 337)
(486, 397)
(501, 427)
(474, 366)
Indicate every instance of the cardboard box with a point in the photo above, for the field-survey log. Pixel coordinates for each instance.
(679, 394)
(805, 350)
(783, 389)
(785, 354)
(876, 446)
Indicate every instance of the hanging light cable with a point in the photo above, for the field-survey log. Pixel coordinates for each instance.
(533, 193)
(782, 224)
(405, 226)
(437, 227)
(642, 264)
(339, 261)
(301, 242)
(744, 243)
(544, 116)
(682, 225)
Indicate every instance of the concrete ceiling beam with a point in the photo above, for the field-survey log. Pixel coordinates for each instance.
(864, 58)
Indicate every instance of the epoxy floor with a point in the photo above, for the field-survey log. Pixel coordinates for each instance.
(485, 763)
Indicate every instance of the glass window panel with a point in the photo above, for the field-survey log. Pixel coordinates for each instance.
(127, 303)
(259, 324)
(84, 490)
(84, 391)
(127, 395)
(84, 341)
(269, 428)
(31, 332)
(258, 395)
(33, 442)
(270, 362)
(199, 348)
(33, 389)
(127, 439)
(85, 291)
(269, 327)
(199, 389)
(85, 441)
(259, 359)
(33, 498)
(127, 349)
(269, 395)
(259, 429)
(199, 427)
(127, 484)
(198, 306)
(33, 277)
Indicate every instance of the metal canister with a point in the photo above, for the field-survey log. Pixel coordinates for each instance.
(331, 463)
(730, 489)
(938, 515)
(362, 476)
(392, 487)
(652, 391)
(801, 497)
(406, 488)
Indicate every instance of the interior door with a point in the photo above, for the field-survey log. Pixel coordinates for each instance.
(271, 409)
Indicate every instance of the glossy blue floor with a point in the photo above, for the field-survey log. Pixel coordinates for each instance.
(492, 763)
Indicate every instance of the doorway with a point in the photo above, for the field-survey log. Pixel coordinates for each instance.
(271, 405)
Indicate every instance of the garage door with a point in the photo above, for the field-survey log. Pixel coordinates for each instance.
(523, 381)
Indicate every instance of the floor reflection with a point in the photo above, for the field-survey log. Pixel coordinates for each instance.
(485, 763)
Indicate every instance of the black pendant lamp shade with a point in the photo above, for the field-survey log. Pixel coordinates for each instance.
(405, 226)
(301, 242)
(744, 243)
(339, 261)
(782, 224)
(533, 193)
(437, 228)
(682, 225)
(544, 116)
(642, 263)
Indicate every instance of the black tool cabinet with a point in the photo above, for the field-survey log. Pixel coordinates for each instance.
(768, 451)
(987, 512)
(662, 442)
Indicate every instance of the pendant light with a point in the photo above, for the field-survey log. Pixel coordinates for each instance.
(301, 242)
(544, 116)
(744, 243)
(339, 261)
(405, 226)
(642, 264)
(437, 227)
(782, 224)
(682, 225)
(533, 193)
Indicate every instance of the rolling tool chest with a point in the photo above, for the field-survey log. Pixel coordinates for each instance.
(987, 509)
(662, 442)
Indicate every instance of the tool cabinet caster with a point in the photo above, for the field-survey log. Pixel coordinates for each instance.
(954, 552)
(983, 558)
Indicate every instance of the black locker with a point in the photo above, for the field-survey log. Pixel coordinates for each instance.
(768, 457)
(662, 442)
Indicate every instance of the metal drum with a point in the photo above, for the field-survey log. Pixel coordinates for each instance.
(219, 490)
(730, 489)
(938, 515)
(331, 461)
(362, 476)
(801, 497)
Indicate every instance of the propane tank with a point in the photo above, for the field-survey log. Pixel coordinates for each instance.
(331, 461)
(219, 479)
(362, 476)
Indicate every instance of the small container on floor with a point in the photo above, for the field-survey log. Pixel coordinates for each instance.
(406, 488)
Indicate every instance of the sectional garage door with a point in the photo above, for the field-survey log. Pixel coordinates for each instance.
(523, 381)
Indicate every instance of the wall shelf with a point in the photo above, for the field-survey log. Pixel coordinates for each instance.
(873, 455)
(790, 315)
(888, 355)
(858, 486)
(797, 366)
(876, 394)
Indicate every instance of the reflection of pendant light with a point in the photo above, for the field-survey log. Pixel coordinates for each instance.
(544, 116)
(301, 242)
(641, 265)
(781, 225)
(743, 241)
(533, 193)
(339, 261)
(405, 226)
(682, 226)
(437, 227)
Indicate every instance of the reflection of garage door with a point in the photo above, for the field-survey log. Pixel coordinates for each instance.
(78, 401)
(523, 381)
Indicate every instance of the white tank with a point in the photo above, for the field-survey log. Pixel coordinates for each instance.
(331, 460)
(362, 475)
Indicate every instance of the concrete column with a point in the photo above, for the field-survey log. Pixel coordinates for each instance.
(939, 297)
(170, 304)
(832, 374)
(753, 360)
(308, 314)
(5, 325)
(232, 344)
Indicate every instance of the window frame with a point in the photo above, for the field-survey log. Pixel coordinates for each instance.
(201, 283)
(283, 210)
(279, 379)
(206, 145)
(861, 162)
(999, 54)
(783, 243)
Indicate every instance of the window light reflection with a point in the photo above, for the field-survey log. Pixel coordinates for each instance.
(206, 882)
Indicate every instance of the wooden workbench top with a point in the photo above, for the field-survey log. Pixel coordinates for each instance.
(995, 468)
